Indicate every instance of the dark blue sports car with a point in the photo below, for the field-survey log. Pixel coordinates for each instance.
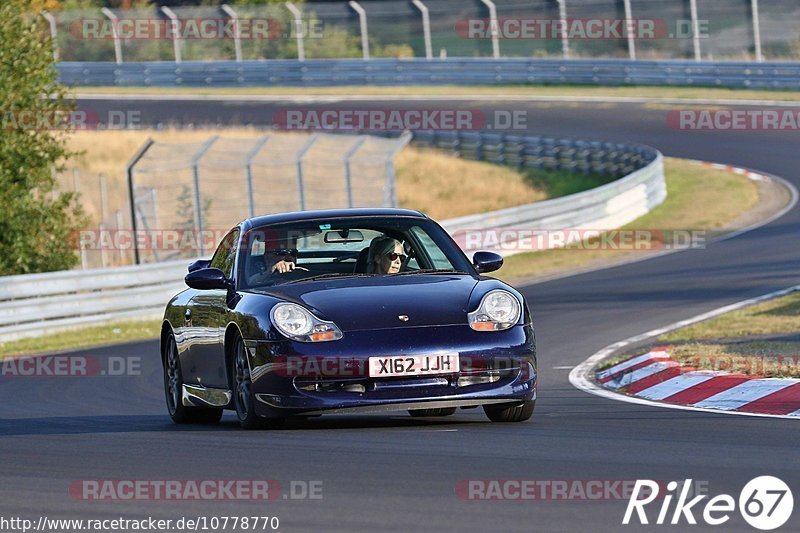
(343, 311)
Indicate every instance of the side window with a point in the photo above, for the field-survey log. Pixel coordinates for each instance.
(226, 253)
(433, 251)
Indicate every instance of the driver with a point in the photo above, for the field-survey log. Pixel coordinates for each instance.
(280, 259)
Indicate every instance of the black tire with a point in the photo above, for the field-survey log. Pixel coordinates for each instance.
(517, 412)
(173, 391)
(443, 411)
(243, 397)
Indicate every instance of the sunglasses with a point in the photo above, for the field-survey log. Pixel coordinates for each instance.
(288, 254)
(395, 256)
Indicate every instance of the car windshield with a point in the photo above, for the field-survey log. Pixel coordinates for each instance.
(346, 247)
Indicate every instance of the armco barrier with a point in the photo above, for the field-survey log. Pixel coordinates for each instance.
(37, 304)
(462, 71)
(640, 188)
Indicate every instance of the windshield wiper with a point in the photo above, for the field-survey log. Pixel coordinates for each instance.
(431, 271)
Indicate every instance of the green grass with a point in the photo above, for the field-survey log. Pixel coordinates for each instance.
(780, 316)
(459, 90)
(113, 333)
(698, 198)
(760, 340)
(561, 183)
(752, 358)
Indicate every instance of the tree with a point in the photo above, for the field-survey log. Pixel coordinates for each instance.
(37, 224)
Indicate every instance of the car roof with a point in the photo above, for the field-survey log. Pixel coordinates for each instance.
(329, 213)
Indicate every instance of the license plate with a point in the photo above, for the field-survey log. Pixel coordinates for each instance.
(413, 365)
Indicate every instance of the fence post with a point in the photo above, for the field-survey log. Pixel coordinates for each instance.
(695, 30)
(300, 155)
(629, 26)
(102, 229)
(426, 27)
(115, 31)
(198, 202)
(103, 199)
(298, 27)
(51, 20)
(118, 217)
(237, 30)
(131, 193)
(757, 31)
(347, 175)
(248, 172)
(362, 21)
(176, 32)
(390, 189)
(562, 14)
(493, 23)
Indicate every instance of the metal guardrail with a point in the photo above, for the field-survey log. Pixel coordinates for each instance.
(469, 71)
(640, 188)
(37, 304)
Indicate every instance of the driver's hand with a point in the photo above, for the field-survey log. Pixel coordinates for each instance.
(283, 267)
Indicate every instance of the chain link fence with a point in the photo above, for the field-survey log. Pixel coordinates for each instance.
(197, 191)
(700, 29)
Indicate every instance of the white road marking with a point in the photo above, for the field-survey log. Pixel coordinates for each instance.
(401, 98)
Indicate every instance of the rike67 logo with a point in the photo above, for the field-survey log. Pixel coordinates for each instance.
(765, 503)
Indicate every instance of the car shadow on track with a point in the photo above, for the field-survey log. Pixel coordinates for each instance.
(77, 425)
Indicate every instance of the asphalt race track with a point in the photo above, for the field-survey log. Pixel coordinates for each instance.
(395, 473)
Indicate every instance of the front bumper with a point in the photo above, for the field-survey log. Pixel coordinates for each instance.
(291, 378)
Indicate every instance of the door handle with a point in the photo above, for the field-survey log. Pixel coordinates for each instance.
(188, 314)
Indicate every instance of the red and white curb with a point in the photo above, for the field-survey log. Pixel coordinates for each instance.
(584, 376)
(655, 376)
(755, 176)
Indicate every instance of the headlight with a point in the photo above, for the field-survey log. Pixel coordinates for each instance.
(497, 311)
(299, 324)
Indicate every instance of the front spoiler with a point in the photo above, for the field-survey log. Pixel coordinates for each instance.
(399, 406)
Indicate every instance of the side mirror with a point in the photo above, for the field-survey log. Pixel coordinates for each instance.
(200, 263)
(487, 262)
(206, 279)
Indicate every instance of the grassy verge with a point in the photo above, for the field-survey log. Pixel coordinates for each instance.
(761, 340)
(699, 198)
(114, 333)
(775, 317)
(460, 90)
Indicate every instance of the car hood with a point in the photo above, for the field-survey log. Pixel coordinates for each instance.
(378, 302)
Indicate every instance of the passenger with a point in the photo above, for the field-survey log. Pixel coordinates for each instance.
(385, 256)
